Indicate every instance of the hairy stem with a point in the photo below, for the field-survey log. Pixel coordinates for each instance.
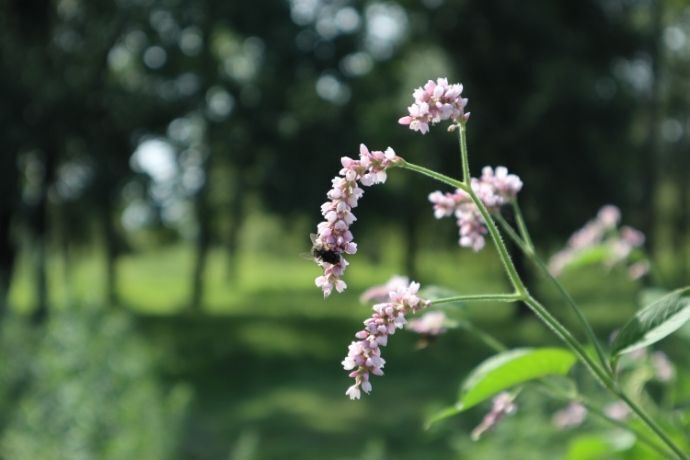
(522, 226)
(479, 298)
(525, 245)
(464, 158)
(433, 174)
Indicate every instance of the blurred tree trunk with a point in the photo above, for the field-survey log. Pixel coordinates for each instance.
(682, 224)
(237, 211)
(8, 251)
(203, 238)
(201, 200)
(649, 173)
(106, 212)
(41, 233)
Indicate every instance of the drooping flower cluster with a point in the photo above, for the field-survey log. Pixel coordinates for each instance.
(616, 244)
(333, 234)
(434, 102)
(503, 404)
(364, 354)
(494, 189)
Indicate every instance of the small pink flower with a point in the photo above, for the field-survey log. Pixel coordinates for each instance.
(571, 416)
(617, 410)
(503, 404)
(364, 354)
(431, 323)
(587, 236)
(506, 186)
(445, 204)
(633, 237)
(380, 293)
(494, 189)
(609, 216)
(638, 269)
(603, 233)
(471, 227)
(333, 234)
(434, 102)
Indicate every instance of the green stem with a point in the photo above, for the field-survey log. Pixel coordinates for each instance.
(652, 424)
(620, 424)
(525, 245)
(433, 174)
(564, 334)
(486, 338)
(479, 298)
(464, 158)
(601, 374)
(511, 271)
(521, 225)
(555, 392)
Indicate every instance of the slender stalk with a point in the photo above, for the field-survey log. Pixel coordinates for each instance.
(542, 313)
(600, 373)
(652, 425)
(479, 298)
(483, 336)
(555, 392)
(464, 158)
(433, 174)
(525, 245)
(521, 225)
(640, 435)
(510, 269)
(564, 334)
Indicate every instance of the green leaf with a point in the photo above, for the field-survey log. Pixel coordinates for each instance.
(594, 255)
(441, 415)
(511, 368)
(649, 295)
(598, 447)
(654, 322)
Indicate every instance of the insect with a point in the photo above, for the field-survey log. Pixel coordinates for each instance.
(322, 254)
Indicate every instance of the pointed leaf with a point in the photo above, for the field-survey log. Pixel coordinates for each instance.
(654, 322)
(510, 368)
(442, 414)
(598, 446)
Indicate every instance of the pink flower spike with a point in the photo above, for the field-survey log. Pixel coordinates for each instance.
(364, 354)
(380, 293)
(333, 237)
(433, 103)
(494, 189)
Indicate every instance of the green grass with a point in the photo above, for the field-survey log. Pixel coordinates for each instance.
(264, 360)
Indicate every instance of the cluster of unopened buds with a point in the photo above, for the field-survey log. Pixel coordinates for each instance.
(364, 354)
(603, 232)
(493, 188)
(334, 238)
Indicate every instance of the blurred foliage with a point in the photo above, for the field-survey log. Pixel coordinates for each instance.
(169, 157)
(85, 388)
